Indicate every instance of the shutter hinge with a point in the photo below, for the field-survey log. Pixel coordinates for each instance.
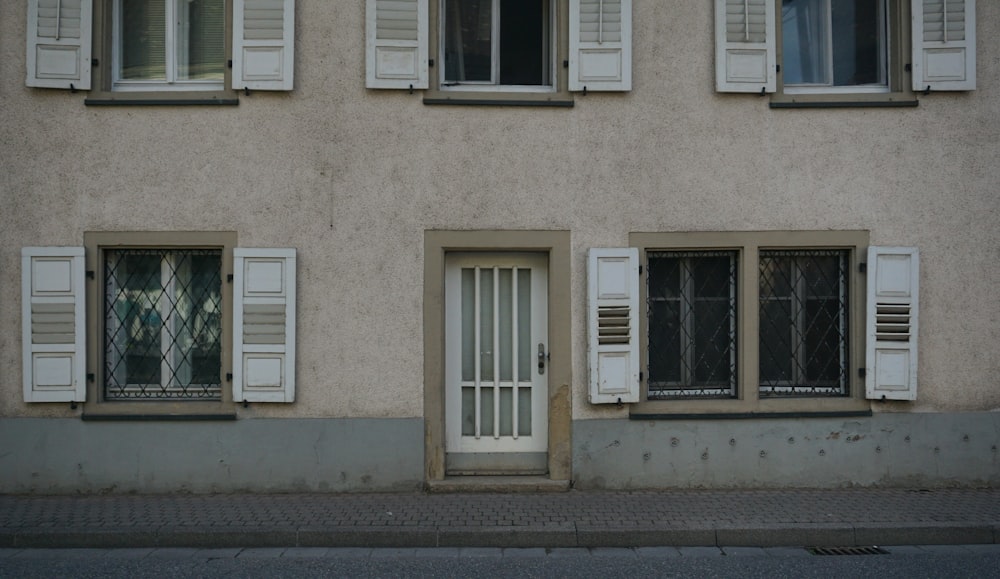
(229, 278)
(229, 376)
(640, 269)
(91, 377)
(565, 64)
(863, 267)
(908, 67)
(229, 63)
(861, 372)
(90, 274)
(430, 62)
(640, 376)
(777, 68)
(94, 62)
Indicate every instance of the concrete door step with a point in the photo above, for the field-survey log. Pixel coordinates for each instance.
(497, 484)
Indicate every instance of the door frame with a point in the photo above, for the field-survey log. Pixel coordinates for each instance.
(554, 244)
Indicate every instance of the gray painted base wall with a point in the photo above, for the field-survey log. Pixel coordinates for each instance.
(46, 455)
(911, 450)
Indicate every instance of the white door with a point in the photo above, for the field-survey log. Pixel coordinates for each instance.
(496, 363)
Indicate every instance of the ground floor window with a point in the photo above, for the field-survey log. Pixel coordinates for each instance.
(162, 324)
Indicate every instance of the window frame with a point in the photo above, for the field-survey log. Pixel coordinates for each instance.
(897, 91)
(555, 94)
(105, 91)
(95, 244)
(747, 245)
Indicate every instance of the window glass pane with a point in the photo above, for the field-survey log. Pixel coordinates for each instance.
(468, 411)
(523, 41)
(524, 411)
(691, 326)
(486, 411)
(857, 42)
(834, 42)
(143, 40)
(506, 411)
(486, 324)
(468, 324)
(803, 331)
(524, 361)
(201, 52)
(468, 40)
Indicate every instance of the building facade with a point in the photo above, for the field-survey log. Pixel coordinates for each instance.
(295, 245)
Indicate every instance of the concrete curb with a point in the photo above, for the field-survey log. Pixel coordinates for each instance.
(568, 535)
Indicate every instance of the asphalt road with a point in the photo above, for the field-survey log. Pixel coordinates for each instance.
(973, 561)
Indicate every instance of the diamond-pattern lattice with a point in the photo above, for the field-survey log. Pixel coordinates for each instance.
(691, 304)
(163, 330)
(803, 320)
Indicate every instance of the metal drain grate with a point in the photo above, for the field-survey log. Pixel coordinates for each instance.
(847, 551)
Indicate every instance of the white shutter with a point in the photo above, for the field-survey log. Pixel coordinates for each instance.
(891, 357)
(944, 45)
(59, 43)
(600, 45)
(263, 44)
(613, 324)
(53, 324)
(745, 46)
(396, 43)
(264, 325)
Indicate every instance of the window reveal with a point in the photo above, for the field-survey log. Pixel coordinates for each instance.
(163, 333)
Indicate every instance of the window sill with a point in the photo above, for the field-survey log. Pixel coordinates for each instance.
(167, 410)
(508, 99)
(838, 101)
(163, 98)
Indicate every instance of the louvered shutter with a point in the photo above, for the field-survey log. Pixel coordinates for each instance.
(53, 324)
(613, 324)
(891, 357)
(944, 45)
(59, 43)
(745, 46)
(600, 45)
(264, 325)
(263, 44)
(396, 40)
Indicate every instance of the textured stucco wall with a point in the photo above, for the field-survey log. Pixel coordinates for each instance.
(912, 450)
(353, 178)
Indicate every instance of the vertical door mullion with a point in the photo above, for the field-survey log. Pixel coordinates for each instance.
(514, 351)
(496, 352)
(479, 356)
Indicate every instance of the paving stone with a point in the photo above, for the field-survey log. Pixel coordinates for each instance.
(524, 552)
(744, 551)
(619, 552)
(261, 553)
(472, 552)
(700, 551)
(306, 552)
(657, 552)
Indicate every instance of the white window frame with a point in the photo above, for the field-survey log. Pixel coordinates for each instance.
(493, 85)
(829, 87)
(170, 83)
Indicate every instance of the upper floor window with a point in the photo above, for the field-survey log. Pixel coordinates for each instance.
(831, 44)
(176, 44)
(497, 42)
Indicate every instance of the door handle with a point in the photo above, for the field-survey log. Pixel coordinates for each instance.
(541, 358)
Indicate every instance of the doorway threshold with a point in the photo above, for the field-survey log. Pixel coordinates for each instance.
(497, 484)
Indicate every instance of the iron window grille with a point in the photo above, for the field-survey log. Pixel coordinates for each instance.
(691, 308)
(803, 320)
(163, 324)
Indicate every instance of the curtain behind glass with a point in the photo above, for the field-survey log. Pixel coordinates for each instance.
(201, 47)
(804, 41)
(468, 40)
